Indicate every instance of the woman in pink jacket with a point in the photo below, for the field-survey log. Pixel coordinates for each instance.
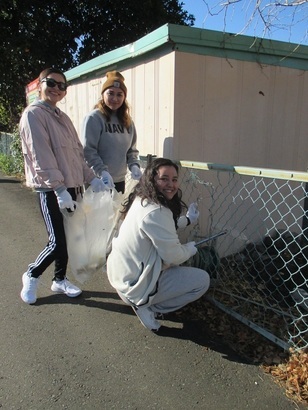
(56, 170)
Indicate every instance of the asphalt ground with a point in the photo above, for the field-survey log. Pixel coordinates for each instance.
(91, 352)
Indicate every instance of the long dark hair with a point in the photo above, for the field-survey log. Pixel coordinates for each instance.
(146, 189)
(45, 73)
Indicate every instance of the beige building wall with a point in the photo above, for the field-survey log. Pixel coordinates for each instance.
(211, 109)
(151, 96)
(80, 99)
(240, 113)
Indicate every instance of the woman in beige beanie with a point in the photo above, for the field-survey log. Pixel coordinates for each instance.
(109, 135)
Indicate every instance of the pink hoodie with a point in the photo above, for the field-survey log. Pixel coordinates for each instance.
(53, 153)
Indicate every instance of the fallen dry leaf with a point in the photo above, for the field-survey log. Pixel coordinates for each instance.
(289, 369)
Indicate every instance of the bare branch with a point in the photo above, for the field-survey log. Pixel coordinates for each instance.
(264, 17)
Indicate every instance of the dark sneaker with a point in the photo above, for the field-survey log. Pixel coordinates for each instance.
(147, 318)
(28, 292)
(66, 287)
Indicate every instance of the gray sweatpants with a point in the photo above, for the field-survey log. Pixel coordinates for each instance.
(178, 286)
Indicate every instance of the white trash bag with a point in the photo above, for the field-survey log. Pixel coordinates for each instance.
(88, 231)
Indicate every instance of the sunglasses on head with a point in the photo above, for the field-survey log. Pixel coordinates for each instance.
(50, 82)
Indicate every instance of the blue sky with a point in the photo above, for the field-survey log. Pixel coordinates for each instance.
(289, 24)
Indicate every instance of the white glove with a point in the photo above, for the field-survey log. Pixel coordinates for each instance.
(192, 248)
(98, 185)
(107, 179)
(182, 222)
(135, 172)
(65, 200)
(193, 213)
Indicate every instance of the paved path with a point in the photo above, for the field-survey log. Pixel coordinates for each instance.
(92, 353)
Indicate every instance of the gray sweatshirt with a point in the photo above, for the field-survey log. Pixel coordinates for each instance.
(146, 244)
(109, 146)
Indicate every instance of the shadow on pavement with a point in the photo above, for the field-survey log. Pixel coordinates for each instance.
(9, 181)
(194, 330)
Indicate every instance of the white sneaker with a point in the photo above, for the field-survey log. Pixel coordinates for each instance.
(65, 286)
(28, 292)
(147, 318)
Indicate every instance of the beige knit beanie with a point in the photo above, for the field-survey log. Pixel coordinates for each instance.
(114, 79)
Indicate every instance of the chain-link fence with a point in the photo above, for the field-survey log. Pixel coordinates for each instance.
(259, 268)
(5, 143)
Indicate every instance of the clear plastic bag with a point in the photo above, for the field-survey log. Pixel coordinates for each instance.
(89, 231)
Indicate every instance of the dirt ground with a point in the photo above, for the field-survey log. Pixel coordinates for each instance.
(92, 352)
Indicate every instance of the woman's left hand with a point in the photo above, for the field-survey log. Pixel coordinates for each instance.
(97, 185)
(193, 213)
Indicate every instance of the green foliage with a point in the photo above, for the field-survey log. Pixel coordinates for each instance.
(16, 152)
(13, 164)
(36, 35)
(7, 164)
(4, 116)
(115, 23)
(9, 116)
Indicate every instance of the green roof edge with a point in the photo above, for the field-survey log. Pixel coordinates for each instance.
(200, 41)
